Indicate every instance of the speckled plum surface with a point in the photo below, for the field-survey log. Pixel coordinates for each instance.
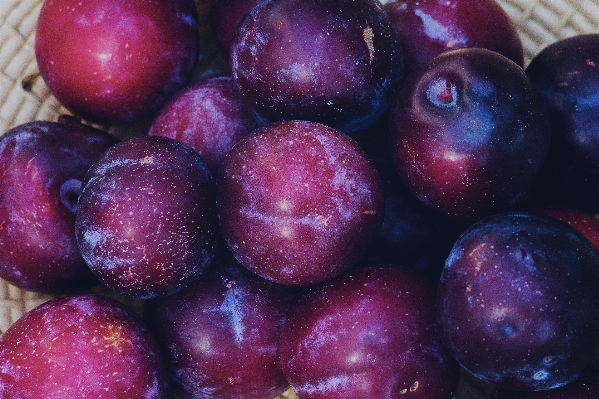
(83, 346)
(298, 202)
(146, 221)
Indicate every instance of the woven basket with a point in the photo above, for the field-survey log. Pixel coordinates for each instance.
(539, 22)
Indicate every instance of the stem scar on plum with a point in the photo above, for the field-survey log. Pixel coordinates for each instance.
(442, 92)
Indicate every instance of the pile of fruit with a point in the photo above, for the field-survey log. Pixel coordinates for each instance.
(366, 200)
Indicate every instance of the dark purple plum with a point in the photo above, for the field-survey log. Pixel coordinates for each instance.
(209, 116)
(220, 334)
(116, 61)
(146, 220)
(566, 73)
(298, 202)
(367, 334)
(336, 62)
(518, 304)
(225, 15)
(42, 166)
(585, 387)
(428, 28)
(412, 234)
(468, 133)
(83, 346)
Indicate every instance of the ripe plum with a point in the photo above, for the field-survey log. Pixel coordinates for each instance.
(367, 334)
(116, 61)
(146, 221)
(469, 133)
(84, 346)
(220, 334)
(225, 15)
(298, 202)
(518, 304)
(566, 73)
(42, 166)
(209, 116)
(429, 27)
(336, 62)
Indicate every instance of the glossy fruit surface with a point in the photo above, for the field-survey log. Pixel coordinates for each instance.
(566, 73)
(367, 334)
(429, 27)
(146, 221)
(116, 61)
(336, 62)
(83, 346)
(518, 304)
(209, 116)
(468, 133)
(42, 166)
(298, 202)
(220, 334)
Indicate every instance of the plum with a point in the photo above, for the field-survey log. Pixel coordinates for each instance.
(367, 334)
(582, 221)
(412, 234)
(585, 387)
(518, 304)
(42, 166)
(146, 220)
(336, 62)
(207, 115)
(81, 346)
(220, 334)
(429, 27)
(468, 133)
(225, 15)
(566, 74)
(116, 61)
(298, 202)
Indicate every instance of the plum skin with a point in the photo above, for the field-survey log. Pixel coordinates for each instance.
(146, 221)
(209, 116)
(114, 61)
(566, 75)
(81, 346)
(337, 62)
(518, 304)
(43, 166)
(469, 133)
(220, 334)
(429, 27)
(367, 334)
(298, 202)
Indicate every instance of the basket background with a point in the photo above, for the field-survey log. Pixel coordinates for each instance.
(539, 23)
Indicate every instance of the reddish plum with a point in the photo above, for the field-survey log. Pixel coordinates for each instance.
(429, 27)
(582, 221)
(116, 61)
(84, 346)
(209, 116)
(225, 15)
(469, 134)
(42, 166)
(146, 220)
(566, 73)
(298, 202)
(368, 334)
(336, 62)
(220, 334)
(518, 304)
